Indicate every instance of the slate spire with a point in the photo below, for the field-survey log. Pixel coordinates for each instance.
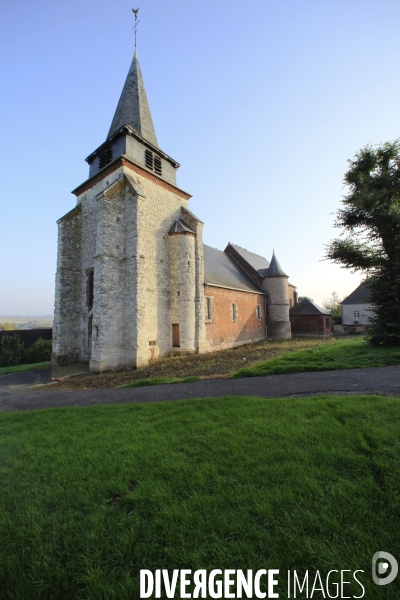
(275, 269)
(133, 107)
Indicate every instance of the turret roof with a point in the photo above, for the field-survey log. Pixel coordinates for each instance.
(179, 226)
(133, 107)
(274, 269)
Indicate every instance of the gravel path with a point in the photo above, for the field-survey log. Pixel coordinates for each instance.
(381, 380)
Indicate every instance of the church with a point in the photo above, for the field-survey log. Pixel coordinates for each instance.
(134, 280)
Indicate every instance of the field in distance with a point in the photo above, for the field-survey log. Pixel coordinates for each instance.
(22, 322)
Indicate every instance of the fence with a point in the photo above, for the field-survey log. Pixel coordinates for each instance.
(30, 336)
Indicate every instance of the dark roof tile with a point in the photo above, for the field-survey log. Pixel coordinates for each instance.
(221, 269)
(359, 296)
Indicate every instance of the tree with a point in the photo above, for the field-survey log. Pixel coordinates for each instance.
(7, 326)
(332, 303)
(371, 219)
(300, 298)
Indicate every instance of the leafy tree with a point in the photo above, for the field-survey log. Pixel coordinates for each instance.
(371, 219)
(332, 303)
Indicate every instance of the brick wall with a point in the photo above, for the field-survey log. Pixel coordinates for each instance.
(221, 330)
(292, 295)
(310, 325)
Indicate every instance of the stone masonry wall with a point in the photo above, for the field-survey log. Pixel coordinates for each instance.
(278, 324)
(183, 290)
(66, 325)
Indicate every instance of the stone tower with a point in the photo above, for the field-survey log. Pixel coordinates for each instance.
(130, 254)
(275, 285)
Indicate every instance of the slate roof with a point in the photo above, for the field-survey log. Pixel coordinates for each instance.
(359, 296)
(306, 307)
(255, 260)
(133, 107)
(221, 269)
(274, 270)
(179, 226)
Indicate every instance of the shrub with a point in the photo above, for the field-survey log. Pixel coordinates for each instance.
(40, 351)
(12, 351)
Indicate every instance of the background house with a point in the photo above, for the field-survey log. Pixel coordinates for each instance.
(356, 308)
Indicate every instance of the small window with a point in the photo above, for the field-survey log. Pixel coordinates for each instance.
(157, 165)
(327, 322)
(208, 309)
(105, 158)
(259, 312)
(148, 159)
(234, 311)
(153, 162)
(153, 343)
(356, 314)
(90, 331)
(90, 288)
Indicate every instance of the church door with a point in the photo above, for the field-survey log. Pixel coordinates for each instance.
(175, 335)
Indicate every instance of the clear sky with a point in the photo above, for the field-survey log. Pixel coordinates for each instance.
(262, 102)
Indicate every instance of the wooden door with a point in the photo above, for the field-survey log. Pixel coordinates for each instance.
(175, 335)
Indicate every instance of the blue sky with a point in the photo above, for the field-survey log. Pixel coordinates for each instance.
(261, 102)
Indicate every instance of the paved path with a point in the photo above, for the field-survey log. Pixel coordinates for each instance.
(382, 380)
(25, 379)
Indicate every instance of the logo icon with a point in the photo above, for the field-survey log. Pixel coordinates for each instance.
(384, 563)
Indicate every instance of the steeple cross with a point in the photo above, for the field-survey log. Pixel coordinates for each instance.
(135, 12)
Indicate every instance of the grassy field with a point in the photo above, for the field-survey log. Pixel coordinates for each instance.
(348, 354)
(260, 359)
(214, 364)
(92, 495)
(20, 368)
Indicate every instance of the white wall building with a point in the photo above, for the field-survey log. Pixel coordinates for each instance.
(356, 310)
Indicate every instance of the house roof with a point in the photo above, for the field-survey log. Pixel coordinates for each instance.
(221, 270)
(306, 307)
(359, 296)
(133, 107)
(255, 260)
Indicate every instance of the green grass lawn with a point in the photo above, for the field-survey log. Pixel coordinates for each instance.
(92, 495)
(346, 354)
(20, 368)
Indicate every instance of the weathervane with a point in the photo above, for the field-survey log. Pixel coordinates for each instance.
(135, 11)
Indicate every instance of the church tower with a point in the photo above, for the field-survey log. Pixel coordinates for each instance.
(130, 272)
